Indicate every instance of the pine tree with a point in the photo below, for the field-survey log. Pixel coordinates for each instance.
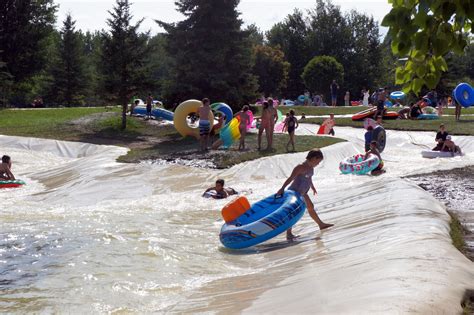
(24, 28)
(69, 72)
(124, 55)
(212, 54)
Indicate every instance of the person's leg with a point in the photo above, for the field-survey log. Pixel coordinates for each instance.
(314, 215)
(268, 133)
(260, 132)
(292, 138)
(289, 235)
(331, 132)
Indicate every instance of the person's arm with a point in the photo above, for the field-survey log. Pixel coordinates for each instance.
(209, 189)
(297, 124)
(275, 116)
(10, 174)
(312, 186)
(293, 175)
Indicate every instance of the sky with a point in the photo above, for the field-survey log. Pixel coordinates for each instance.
(91, 14)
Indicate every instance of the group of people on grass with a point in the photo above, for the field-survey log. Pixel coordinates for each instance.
(265, 124)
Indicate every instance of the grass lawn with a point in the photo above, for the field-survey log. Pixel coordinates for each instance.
(174, 146)
(145, 139)
(463, 127)
(340, 110)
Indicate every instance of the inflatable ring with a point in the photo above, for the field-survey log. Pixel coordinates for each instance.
(230, 132)
(464, 95)
(251, 118)
(427, 117)
(11, 183)
(264, 220)
(397, 95)
(357, 165)
(379, 135)
(301, 98)
(225, 109)
(388, 103)
(180, 118)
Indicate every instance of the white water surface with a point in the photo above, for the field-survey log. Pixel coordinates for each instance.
(90, 235)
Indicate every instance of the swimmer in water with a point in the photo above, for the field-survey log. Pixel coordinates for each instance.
(221, 191)
(5, 168)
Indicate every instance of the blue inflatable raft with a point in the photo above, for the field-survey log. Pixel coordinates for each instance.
(263, 221)
(157, 113)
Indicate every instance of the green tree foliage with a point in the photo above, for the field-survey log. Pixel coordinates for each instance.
(160, 63)
(24, 29)
(69, 72)
(5, 83)
(212, 54)
(92, 45)
(320, 71)
(290, 35)
(351, 38)
(271, 68)
(124, 52)
(424, 31)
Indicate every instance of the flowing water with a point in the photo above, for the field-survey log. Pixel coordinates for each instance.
(89, 235)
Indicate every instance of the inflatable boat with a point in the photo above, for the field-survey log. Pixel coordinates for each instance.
(368, 113)
(11, 183)
(157, 113)
(262, 221)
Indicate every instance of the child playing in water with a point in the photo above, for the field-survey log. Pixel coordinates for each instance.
(221, 192)
(5, 168)
(368, 138)
(450, 146)
(244, 122)
(373, 150)
(301, 181)
(291, 123)
(204, 112)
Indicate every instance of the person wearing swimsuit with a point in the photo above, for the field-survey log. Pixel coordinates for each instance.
(301, 182)
(5, 168)
(264, 124)
(204, 112)
(291, 123)
(244, 122)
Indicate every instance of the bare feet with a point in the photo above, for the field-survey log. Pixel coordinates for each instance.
(291, 237)
(325, 226)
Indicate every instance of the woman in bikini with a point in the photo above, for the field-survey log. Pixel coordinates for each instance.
(267, 123)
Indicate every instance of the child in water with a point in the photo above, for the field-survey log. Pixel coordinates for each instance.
(5, 168)
(301, 182)
(373, 150)
(221, 192)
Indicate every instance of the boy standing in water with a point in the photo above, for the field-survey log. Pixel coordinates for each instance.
(301, 182)
(204, 112)
(5, 168)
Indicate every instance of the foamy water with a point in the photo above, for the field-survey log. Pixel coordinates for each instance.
(88, 234)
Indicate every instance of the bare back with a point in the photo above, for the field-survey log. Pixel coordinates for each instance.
(204, 112)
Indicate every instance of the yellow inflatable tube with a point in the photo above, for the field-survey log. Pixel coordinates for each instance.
(180, 118)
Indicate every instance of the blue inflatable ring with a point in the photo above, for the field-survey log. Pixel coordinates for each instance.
(301, 98)
(225, 109)
(397, 95)
(464, 94)
(388, 103)
(357, 165)
(264, 220)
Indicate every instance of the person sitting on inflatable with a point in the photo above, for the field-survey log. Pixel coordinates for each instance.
(301, 182)
(450, 146)
(220, 191)
(373, 150)
(440, 138)
(5, 168)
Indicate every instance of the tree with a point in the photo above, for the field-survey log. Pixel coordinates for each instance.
(5, 83)
(290, 35)
(69, 70)
(271, 69)
(24, 30)
(320, 71)
(124, 52)
(424, 31)
(212, 54)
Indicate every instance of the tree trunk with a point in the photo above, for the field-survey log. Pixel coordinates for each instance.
(124, 114)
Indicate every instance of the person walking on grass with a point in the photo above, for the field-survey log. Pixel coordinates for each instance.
(149, 101)
(301, 181)
(334, 88)
(291, 124)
